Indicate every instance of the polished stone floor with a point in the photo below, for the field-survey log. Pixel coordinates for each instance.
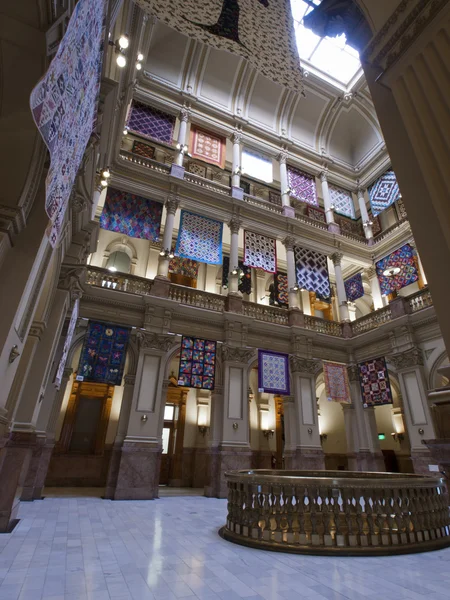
(68, 548)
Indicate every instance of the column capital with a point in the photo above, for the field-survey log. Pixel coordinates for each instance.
(71, 279)
(353, 374)
(185, 114)
(303, 365)
(336, 257)
(289, 242)
(236, 136)
(129, 379)
(172, 203)
(155, 341)
(236, 354)
(234, 224)
(371, 272)
(360, 192)
(282, 156)
(324, 175)
(407, 359)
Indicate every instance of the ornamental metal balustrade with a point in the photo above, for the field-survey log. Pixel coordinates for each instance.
(132, 284)
(329, 512)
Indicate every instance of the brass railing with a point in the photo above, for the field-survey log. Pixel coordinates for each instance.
(328, 512)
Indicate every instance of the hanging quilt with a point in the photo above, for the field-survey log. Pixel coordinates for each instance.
(312, 272)
(199, 238)
(184, 266)
(64, 105)
(302, 186)
(131, 215)
(337, 387)
(151, 122)
(316, 213)
(384, 192)
(243, 28)
(404, 259)
(260, 252)
(245, 276)
(67, 343)
(208, 147)
(142, 149)
(273, 372)
(374, 381)
(280, 282)
(103, 354)
(354, 287)
(376, 225)
(197, 363)
(274, 198)
(342, 201)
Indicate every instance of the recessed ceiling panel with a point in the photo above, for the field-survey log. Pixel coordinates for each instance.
(165, 59)
(353, 136)
(306, 118)
(219, 77)
(264, 102)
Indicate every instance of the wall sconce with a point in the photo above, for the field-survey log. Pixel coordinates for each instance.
(235, 270)
(398, 437)
(332, 207)
(294, 288)
(367, 223)
(120, 47)
(125, 130)
(310, 430)
(288, 191)
(238, 171)
(182, 148)
(323, 437)
(421, 431)
(166, 253)
(268, 433)
(202, 429)
(139, 59)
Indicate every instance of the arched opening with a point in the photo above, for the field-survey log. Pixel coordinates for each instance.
(119, 261)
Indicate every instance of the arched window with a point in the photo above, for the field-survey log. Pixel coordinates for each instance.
(119, 261)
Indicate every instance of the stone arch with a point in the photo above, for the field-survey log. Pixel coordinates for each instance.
(121, 244)
(441, 360)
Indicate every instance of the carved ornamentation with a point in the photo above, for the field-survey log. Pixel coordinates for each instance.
(282, 157)
(185, 114)
(371, 272)
(234, 224)
(352, 371)
(71, 279)
(236, 136)
(155, 341)
(129, 379)
(78, 203)
(172, 204)
(289, 242)
(303, 365)
(336, 258)
(324, 176)
(410, 358)
(241, 355)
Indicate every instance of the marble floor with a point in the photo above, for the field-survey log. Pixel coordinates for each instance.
(67, 548)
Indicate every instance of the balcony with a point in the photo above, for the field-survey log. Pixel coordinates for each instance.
(206, 301)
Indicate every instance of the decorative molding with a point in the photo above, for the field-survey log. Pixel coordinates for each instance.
(72, 278)
(282, 157)
(304, 365)
(371, 272)
(234, 224)
(409, 358)
(37, 329)
(289, 242)
(185, 114)
(172, 203)
(235, 354)
(336, 258)
(353, 373)
(155, 341)
(237, 136)
(129, 379)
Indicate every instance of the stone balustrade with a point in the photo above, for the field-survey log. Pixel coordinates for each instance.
(197, 298)
(322, 326)
(265, 204)
(207, 183)
(420, 300)
(329, 512)
(372, 320)
(149, 163)
(262, 312)
(115, 281)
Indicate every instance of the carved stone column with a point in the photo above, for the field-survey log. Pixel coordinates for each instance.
(367, 223)
(288, 211)
(233, 278)
(308, 453)
(336, 258)
(290, 432)
(371, 273)
(159, 289)
(236, 191)
(411, 375)
(294, 304)
(184, 116)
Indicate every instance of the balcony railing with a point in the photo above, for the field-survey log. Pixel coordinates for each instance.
(197, 298)
(149, 163)
(321, 326)
(420, 300)
(208, 184)
(371, 321)
(121, 283)
(262, 312)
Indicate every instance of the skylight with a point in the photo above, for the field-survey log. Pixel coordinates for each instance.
(328, 56)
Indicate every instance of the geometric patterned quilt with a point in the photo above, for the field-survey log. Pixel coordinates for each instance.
(384, 192)
(374, 381)
(131, 215)
(103, 354)
(354, 287)
(337, 387)
(245, 276)
(273, 372)
(197, 363)
(151, 122)
(316, 213)
(208, 147)
(302, 186)
(342, 201)
(64, 105)
(280, 281)
(404, 259)
(142, 149)
(260, 252)
(199, 238)
(312, 272)
(184, 266)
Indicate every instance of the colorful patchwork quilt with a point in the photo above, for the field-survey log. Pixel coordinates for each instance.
(302, 185)
(337, 386)
(197, 363)
(354, 287)
(273, 372)
(199, 238)
(404, 259)
(384, 192)
(151, 122)
(260, 252)
(312, 272)
(374, 381)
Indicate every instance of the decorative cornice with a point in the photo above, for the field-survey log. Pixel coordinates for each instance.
(371, 272)
(234, 354)
(303, 365)
(407, 359)
(155, 341)
(129, 379)
(72, 279)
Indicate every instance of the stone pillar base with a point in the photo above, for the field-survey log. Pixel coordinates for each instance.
(161, 286)
(113, 471)
(15, 454)
(440, 453)
(296, 318)
(288, 211)
(237, 192)
(334, 228)
(37, 470)
(219, 461)
(369, 461)
(177, 171)
(233, 302)
(421, 460)
(138, 476)
(305, 459)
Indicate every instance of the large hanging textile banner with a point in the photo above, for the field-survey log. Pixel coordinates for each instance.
(64, 105)
(354, 287)
(245, 276)
(302, 186)
(208, 147)
(273, 372)
(384, 192)
(131, 215)
(312, 272)
(151, 122)
(143, 149)
(280, 282)
(197, 363)
(342, 201)
(260, 252)
(199, 238)
(67, 343)
(404, 259)
(374, 381)
(243, 28)
(103, 354)
(184, 266)
(337, 387)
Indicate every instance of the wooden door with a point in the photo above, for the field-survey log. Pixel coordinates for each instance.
(167, 452)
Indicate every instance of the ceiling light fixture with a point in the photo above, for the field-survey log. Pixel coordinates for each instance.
(123, 41)
(121, 61)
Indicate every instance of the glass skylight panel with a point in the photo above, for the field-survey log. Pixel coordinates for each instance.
(332, 56)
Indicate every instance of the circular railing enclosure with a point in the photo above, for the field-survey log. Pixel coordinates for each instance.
(335, 512)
